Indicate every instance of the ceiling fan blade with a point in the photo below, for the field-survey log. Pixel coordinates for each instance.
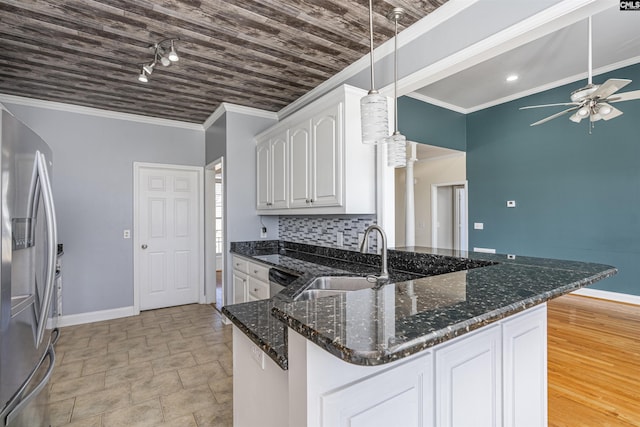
(625, 96)
(550, 105)
(609, 87)
(554, 116)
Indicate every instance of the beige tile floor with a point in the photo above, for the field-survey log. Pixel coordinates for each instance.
(166, 367)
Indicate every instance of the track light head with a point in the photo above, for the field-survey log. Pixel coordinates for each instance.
(173, 55)
(148, 68)
(165, 61)
(143, 76)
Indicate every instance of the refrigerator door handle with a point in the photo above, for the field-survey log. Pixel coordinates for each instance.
(37, 389)
(52, 241)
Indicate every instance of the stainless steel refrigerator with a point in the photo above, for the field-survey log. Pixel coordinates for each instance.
(28, 242)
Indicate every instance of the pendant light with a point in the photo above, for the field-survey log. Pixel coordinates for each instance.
(373, 106)
(396, 143)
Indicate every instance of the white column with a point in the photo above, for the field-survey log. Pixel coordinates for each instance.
(410, 210)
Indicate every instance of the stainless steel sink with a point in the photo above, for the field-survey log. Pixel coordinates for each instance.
(326, 286)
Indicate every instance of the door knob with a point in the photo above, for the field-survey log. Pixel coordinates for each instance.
(144, 246)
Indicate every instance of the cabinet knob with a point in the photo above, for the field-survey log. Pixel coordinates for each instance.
(306, 201)
(144, 246)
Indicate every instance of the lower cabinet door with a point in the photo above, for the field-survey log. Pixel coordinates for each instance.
(239, 287)
(469, 380)
(402, 396)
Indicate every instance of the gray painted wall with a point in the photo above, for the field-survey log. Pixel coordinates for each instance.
(429, 124)
(577, 194)
(93, 190)
(239, 147)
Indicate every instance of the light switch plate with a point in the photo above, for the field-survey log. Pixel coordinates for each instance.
(478, 226)
(340, 238)
(511, 203)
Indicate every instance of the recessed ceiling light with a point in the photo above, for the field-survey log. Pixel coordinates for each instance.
(512, 77)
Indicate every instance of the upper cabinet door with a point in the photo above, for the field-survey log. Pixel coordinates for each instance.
(327, 176)
(263, 175)
(300, 161)
(279, 171)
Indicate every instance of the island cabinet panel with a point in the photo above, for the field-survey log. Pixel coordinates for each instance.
(397, 397)
(260, 384)
(525, 369)
(468, 381)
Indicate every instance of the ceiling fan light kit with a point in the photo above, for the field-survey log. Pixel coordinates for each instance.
(592, 100)
(164, 52)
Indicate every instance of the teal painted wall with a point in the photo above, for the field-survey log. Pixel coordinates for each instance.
(578, 195)
(428, 124)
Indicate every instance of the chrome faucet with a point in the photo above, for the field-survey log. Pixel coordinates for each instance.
(384, 272)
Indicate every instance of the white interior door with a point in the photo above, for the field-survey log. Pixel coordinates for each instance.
(168, 235)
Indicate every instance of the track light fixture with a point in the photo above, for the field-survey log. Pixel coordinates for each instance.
(164, 52)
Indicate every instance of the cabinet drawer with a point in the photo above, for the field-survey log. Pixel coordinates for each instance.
(241, 265)
(258, 289)
(258, 271)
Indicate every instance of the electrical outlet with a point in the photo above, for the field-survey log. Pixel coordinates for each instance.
(511, 256)
(258, 356)
(340, 238)
(126, 234)
(263, 233)
(511, 203)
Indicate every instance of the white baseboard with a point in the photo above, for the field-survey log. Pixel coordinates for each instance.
(95, 316)
(608, 295)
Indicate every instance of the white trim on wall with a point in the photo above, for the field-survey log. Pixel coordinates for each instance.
(79, 109)
(95, 316)
(226, 107)
(608, 295)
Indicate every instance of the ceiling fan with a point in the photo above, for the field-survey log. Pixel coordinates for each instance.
(593, 101)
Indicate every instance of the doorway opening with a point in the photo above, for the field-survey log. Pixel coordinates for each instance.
(449, 216)
(215, 233)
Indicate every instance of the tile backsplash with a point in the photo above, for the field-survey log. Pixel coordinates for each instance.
(323, 231)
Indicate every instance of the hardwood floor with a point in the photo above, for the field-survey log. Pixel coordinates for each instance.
(594, 363)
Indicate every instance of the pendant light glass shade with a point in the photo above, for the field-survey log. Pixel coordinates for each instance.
(396, 143)
(374, 116)
(397, 150)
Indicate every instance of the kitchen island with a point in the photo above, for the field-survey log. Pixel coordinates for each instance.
(463, 345)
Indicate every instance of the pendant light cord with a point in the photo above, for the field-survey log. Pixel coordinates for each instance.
(395, 74)
(373, 83)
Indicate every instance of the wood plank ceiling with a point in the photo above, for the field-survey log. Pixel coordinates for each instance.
(258, 53)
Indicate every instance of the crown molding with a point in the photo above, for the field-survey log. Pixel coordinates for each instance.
(553, 85)
(437, 102)
(409, 34)
(78, 109)
(227, 107)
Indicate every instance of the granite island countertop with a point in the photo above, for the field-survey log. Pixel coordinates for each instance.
(462, 292)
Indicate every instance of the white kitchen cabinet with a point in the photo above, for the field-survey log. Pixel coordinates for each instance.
(398, 397)
(250, 280)
(239, 287)
(326, 168)
(469, 380)
(524, 342)
(272, 172)
(300, 165)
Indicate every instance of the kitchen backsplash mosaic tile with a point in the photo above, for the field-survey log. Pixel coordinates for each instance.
(323, 231)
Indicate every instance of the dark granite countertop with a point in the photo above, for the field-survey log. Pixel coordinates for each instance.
(462, 292)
